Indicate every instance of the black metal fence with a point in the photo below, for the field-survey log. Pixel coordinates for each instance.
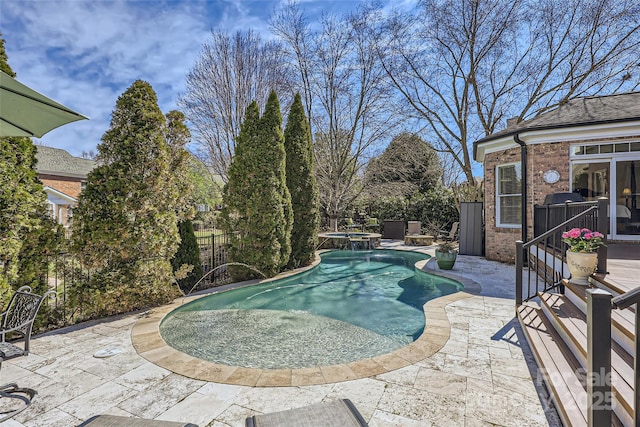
(541, 262)
(214, 252)
(67, 276)
(546, 217)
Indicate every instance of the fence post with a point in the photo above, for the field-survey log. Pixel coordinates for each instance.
(519, 265)
(603, 227)
(599, 399)
(213, 265)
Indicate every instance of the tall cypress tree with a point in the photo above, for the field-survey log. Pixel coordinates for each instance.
(257, 202)
(125, 225)
(301, 182)
(273, 142)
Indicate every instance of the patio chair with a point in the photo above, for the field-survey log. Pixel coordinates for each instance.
(327, 414)
(449, 235)
(18, 320)
(372, 223)
(351, 225)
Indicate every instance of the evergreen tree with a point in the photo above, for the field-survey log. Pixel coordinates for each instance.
(27, 232)
(408, 165)
(272, 140)
(301, 182)
(188, 254)
(125, 224)
(257, 202)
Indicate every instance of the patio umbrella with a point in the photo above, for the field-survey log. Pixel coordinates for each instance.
(25, 112)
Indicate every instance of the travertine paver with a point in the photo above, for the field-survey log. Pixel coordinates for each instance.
(478, 372)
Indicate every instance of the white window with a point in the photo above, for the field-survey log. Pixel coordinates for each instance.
(509, 195)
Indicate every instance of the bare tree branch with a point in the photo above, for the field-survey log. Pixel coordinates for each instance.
(348, 96)
(465, 66)
(230, 73)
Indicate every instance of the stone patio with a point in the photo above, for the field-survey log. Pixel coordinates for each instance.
(484, 375)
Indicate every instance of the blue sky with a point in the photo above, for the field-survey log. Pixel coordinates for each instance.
(84, 54)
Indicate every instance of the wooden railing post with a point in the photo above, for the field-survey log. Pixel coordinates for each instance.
(603, 227)
(599, 403)
(519, 266)
(636, 370)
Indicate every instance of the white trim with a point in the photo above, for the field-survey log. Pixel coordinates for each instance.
(59, 194)
(497, 196)
(566, 134)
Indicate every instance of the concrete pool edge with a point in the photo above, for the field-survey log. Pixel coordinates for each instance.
(149, 344)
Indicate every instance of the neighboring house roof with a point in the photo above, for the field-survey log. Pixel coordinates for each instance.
(55, 161)
(613, 112)
(58, 197)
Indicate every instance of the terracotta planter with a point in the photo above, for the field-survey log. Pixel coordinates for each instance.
(446, 260)
(581, 266)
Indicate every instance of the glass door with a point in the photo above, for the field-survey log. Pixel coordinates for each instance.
(627, 197)
(591, 180)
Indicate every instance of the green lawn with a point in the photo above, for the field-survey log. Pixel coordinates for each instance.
(209, 232)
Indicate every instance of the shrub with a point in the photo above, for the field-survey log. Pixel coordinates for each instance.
(188, 254)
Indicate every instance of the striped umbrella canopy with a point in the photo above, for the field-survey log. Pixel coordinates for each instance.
(25, 112)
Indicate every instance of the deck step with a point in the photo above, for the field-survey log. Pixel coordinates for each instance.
(623, 321)
(562, 373)
(570, 323)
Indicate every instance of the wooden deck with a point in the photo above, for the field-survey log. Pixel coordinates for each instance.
(555, 325)
(623, 264)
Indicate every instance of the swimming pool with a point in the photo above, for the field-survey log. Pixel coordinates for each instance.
(353, 305)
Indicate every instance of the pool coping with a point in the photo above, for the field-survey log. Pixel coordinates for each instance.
(149, 344)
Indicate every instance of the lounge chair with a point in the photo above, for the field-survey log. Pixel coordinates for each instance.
(118, 421)
(18, 320)
(327, 414)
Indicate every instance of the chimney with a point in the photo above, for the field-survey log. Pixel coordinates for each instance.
(512, 122)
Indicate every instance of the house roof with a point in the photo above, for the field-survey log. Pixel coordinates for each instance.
(55, 161)
(579, 112)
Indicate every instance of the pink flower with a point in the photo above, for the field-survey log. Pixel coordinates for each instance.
(597, 234)
(574, 233)
(565, 235)
(588, 235)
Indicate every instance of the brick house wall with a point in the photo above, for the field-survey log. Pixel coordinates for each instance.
(500, 241)
(66, 185)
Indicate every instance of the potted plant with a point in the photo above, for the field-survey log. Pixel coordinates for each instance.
(446, 254)
(582, 256)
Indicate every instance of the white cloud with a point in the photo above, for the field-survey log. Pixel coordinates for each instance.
(84, 54)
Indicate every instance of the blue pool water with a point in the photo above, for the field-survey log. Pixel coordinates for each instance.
(353, 305)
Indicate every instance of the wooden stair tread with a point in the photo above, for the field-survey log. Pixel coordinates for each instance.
(618, 287)
(560, 366)
(624, 320)
(573, 321)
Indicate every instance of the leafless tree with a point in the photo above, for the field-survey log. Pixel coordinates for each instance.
(346, 93)
(229, 74)
(465, 66)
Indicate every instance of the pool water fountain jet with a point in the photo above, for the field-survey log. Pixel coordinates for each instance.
(241, 264)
